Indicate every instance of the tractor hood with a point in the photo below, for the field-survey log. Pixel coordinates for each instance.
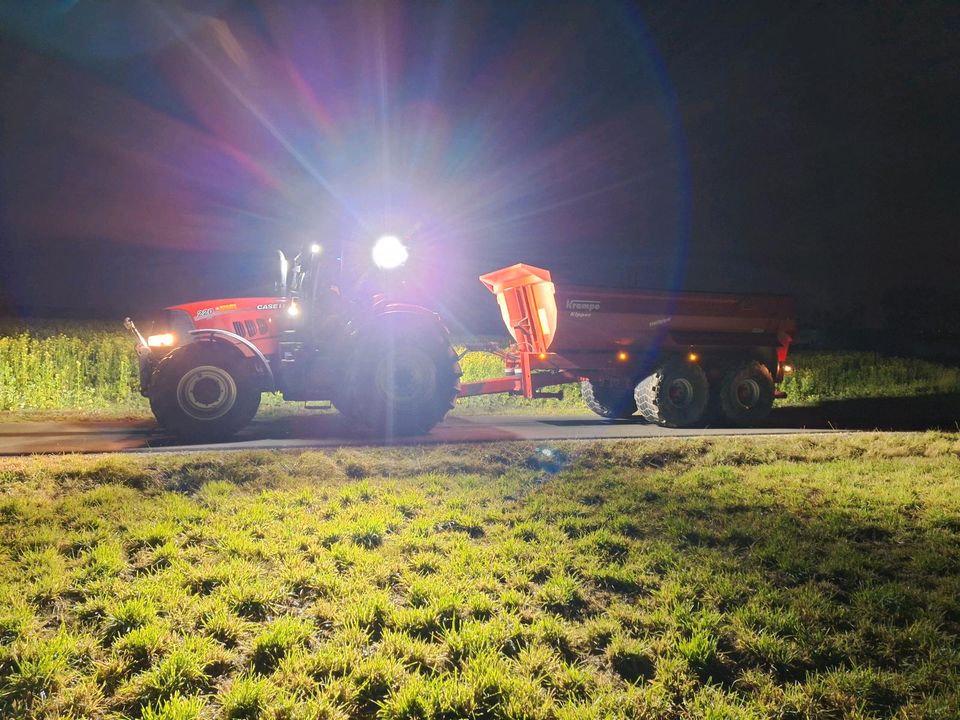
(257, 319)
(222, 313)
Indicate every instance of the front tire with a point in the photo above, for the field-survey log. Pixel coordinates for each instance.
(607, 399)
(401, 383)
(204, 392)
(674, 395)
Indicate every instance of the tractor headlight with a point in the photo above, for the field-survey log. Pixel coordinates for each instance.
(158, 341)
(389, 252)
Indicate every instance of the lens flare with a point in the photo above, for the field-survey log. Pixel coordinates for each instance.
(486, 140)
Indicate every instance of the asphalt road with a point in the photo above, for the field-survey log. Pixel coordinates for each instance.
(330, 430)
(931, 412)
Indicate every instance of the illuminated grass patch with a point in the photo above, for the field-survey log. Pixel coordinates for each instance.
(772, 577)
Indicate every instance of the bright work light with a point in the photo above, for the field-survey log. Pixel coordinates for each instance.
(389, 252)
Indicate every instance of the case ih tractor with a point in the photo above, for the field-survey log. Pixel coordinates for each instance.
(674, 359)
(387, 366)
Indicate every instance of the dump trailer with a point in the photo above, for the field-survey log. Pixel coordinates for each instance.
(674, 359)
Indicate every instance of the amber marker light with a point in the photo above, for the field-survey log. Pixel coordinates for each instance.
(164, 340)
(693, 357)
(788, 368)
(542, 356)
(622, 356)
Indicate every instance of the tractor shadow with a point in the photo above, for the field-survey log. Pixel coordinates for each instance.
(331, 429)
(325, 425)
(925, 412)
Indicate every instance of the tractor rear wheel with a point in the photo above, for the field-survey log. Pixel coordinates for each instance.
(400, 383)
(674, 395)
(608, 399)
(745, 395)
(204, 392)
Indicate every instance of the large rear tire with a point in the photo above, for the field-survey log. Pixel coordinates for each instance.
(674, 395)
(607, 399)
(402, 382)
(204, 392)
(745, 395)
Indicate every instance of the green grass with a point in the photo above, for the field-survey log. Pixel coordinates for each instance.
(840, 376)
(785, 577)
(90, 369)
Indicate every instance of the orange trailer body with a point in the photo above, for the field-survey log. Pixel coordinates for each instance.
(575, 332)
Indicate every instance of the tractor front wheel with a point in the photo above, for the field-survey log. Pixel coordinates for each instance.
(204, 392)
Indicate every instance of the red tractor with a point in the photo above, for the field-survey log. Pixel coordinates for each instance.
(387, 366)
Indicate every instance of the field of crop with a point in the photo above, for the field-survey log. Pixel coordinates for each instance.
(729, 578)
(92, 368)
(67, 367)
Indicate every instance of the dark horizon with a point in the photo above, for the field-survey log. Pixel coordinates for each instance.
(795, 149)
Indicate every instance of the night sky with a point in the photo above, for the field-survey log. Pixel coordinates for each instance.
(154, 153)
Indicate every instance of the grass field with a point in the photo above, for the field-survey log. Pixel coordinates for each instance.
(91, 369)
(793, 577)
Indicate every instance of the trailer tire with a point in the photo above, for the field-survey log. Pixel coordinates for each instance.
(745, 395)
(204, 392)
(400, 383)
(674, 395)
(607, 399)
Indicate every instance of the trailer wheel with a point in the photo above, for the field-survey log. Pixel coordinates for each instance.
(674, 395)
(607, 399)
(401, 383)
(745, 396)
(204, 392)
